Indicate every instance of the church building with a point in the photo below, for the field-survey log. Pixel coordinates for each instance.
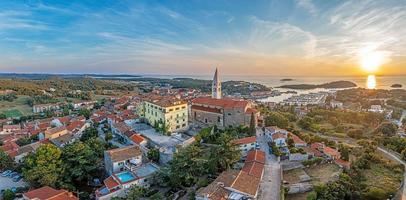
(222, 112)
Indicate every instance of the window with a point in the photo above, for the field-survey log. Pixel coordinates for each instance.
(205, 120)
(177, 108)
(177, 126)
(183, 125)
(170, 110)
(183, 107)
(219, 119)
(229, 114)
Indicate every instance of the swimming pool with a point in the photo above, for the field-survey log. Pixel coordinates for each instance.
(125, 176)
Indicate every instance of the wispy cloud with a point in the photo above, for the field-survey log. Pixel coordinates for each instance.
(307, 5)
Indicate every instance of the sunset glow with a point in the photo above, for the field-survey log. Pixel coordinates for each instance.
(371, 61)
(371, 82)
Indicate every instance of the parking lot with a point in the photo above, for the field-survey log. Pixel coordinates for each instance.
(7, 183)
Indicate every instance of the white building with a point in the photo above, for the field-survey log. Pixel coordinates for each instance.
(246, 144)
(122, 159)
(216, 87)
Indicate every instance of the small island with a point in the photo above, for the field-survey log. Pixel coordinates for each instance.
(331, 85)
(286, 79)
(396, 85)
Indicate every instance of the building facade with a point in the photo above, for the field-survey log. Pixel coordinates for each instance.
(222, 112)
(167, 112)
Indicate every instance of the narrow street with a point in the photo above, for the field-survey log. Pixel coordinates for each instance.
(271, 181)
(395, 157)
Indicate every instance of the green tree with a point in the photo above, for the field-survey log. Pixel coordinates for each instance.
(90, 132)
(153, 154)
(5, 161)
(8, 195)
(276, 119)
(97, 145)
(85, 112)
(108, 136)
(80, 162)
(252, 124)
(387, 129)
(44, 167)
(345, 153)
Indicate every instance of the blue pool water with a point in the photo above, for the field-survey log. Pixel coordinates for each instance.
(125, 176)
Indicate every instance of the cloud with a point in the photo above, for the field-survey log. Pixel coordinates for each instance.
(375, 25)
(308, 6)
(281, 39)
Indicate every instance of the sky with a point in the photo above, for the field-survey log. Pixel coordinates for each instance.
(240, 37)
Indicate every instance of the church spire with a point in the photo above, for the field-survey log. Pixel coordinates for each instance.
(216, 86)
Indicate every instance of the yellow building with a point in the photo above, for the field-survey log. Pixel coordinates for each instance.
(167, 114)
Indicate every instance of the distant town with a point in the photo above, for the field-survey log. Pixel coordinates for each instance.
(146, 138)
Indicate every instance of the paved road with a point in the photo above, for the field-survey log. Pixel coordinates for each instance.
(271, 181)
(395, 157)
(401, 118)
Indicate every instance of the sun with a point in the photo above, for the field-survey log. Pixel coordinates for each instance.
(371, 61)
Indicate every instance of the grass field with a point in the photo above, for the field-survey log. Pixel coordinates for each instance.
(323, 173)
(16, 108)
(384, 178)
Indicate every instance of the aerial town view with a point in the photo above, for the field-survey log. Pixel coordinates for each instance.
(203, 100)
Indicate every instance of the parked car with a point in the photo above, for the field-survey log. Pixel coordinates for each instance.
(6, 173)
(17, 178)
(12, 174)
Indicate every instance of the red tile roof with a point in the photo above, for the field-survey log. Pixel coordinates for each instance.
(246, 140)
(110, 183)
(296, 139)
(224, 103)
(75, 125)
(255, 155)
(343, 163)
(278, 136)
(254, 169)
(332, 152)
(206, 109)
(137, 138)
(64, 119)
(48, 193)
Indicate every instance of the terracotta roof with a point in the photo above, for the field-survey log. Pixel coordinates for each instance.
(317, 145)
(343, 163)
(215, 190)
(11, 127)
(110, 182)
(124, 153)
(331, 151)
(256, 155)
(296, 139)
(166, 101)
(246, 140)
(129, 133)
(246, 183)
(64, 119)
(136, 138)
(48, 193)
(122, 127)
(254, 169)
(206, 109)
(224, 103)
(75, 125)
(44, 125)
(278, 136)
(55, 130)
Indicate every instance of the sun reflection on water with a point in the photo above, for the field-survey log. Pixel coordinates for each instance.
(371, 82)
